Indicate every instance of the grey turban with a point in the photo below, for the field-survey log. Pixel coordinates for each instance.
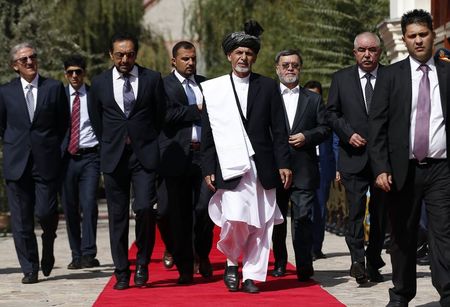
(248, 38)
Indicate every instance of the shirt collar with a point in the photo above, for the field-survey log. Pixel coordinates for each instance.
(81, 91)
(415, 64)
(284, 89)
(182, 79)
(362, 73)
(118, 75)
(34, 82)
(244, 80)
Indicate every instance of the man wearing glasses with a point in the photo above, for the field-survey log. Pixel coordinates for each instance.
(81, 170)
(33, 121)
(306, 127)
(129, 108)
(348, 113)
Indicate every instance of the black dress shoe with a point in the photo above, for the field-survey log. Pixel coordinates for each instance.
(123, 282)
(318, 255)
(374, 274)
(141, 275)
(75, 264)
(185, 279)
(89, 261)
(205, 268)
(167, 260)
(249, 286)
(358, 271)
(30, 278)
(48, 259)
(425, 260)
(231, 277)
(305, 273)
(279, 271)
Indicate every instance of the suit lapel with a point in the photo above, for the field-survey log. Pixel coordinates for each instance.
(41, 95)
(286, 119)
(23, 105)
(443, 79)
(253, 89)
(357, 85)
(178, 89)
(301, 108)
(110, 91)
(406, 82)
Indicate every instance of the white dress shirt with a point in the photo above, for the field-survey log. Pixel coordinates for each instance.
(437, 135)
(118, 82)
(34, 90)
(241, 86)
(363, 81)
(290, 99)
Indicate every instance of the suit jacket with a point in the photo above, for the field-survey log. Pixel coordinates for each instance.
(142, 126)
(327, 160)
(41, 138)
(175, 138)
(310, 120)
(390, 118)
(266, 130)
(346, 115)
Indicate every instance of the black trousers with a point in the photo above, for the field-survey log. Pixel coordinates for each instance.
(185, 200)
(130, 172)
(28, 197)
(79, 196)
(431, 183)
(356, 187)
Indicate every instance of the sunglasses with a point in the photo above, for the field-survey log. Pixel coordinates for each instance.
(24, 60)
(286, 65)
(70, 72)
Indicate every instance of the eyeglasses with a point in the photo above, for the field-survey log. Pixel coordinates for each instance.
(120, 55)
(293, 65)
(24, 60)
(70, 72)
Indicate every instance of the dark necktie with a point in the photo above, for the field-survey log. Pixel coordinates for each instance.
(30, 101)
(74, 143)
(421, 132)
(368, 90)
(128, 95)
(192, 99)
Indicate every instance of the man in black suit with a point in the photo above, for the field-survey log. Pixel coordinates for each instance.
(33, 120)
(129, 104)
(305, 123)
(246, 156)
(409, 146)
(81, 172)
(182, 188)
(348, 107)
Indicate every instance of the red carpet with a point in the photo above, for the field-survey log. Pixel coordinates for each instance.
(163, 290)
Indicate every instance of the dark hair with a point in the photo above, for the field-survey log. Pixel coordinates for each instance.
(288, 52)
(314, 84)
(123, 36)
(75, 60)
(416, 16)
(181, 45)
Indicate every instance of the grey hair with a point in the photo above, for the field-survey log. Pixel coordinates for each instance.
(16, 48)
(377, 39)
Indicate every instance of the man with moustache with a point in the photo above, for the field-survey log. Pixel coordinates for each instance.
(129, 108)
(409, 146)
(33, 121)
(348, 109)
(306, 126)
(182, 188)
(246, 156)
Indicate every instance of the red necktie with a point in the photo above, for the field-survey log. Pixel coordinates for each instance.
(74, 142)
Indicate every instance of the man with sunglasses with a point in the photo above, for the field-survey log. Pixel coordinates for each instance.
(34, 117)
(348, 110)
(129, 108)
(306, 127)
(81, 170)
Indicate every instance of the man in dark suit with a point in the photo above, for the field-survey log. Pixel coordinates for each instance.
(327, 171)
(81, 172)
(348, 107)
(409, 146)
(182, 188)
(129, 104)
(33, 120)
(305, 123)
(246, 156)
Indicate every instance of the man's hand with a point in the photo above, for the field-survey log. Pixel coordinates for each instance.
(338, 177)
(357, 141)
(200, 106)
(384, 181)
(297, 140)
(286, 177)
(210, 182)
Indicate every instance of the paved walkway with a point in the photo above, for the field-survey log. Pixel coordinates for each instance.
(81, 288)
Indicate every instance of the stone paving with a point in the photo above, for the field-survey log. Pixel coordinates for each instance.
(81, 287)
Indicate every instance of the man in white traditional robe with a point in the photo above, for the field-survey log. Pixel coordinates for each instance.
(245, 157)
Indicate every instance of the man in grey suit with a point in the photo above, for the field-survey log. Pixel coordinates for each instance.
(348, 110)
(128, 104)
(409, 145)
(34, 117)
(306, 126)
